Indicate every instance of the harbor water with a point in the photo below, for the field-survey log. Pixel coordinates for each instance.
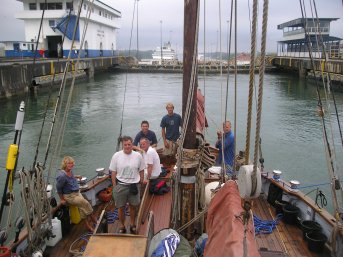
(291, 130)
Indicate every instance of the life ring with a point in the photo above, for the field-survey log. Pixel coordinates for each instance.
(245, 182)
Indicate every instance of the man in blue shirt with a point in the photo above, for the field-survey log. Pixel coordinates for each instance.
(229, 148)
(170, 124)
(145, 133)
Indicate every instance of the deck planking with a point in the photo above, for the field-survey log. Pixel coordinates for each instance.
(285, 238)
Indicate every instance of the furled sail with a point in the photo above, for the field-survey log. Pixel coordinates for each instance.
(225, 225)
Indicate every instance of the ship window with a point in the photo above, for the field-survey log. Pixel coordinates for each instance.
(32, 6)
(85, 6)
(70, 6)
(100, 12)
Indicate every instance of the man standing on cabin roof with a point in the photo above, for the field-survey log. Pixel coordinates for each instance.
(146, 133)
(170, 124)
(127, 168)
(151, 159)
(229, 149)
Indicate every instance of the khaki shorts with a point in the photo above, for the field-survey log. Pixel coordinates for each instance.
(121, 195)
(172, 148)
(78, 200)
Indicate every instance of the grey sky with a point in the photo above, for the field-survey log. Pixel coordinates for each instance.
(170, 12)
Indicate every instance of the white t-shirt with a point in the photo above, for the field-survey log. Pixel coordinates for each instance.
(151, 157)
(127, 166)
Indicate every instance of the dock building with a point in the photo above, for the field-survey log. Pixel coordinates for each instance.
(303, 33)
(58, 23)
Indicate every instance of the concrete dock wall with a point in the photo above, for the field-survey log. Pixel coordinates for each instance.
(19, 76)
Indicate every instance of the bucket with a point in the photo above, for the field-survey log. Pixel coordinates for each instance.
(316, 241)
(308, 226)
(290, 214)
(279, 206)
(74, 213)
(56, 231)
(5, 251)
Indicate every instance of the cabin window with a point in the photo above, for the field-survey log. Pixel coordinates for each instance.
(99, 12)
(85, 7)
(70, 6)
(52, 23)
(32, 6)
(51, 6)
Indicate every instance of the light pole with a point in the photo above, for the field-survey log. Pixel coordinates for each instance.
(228, 33)
(137, 32)
(161, 43)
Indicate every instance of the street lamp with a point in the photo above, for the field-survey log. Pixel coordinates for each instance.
(161, 43)
(137, 32)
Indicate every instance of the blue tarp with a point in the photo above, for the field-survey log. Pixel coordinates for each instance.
(66, 25)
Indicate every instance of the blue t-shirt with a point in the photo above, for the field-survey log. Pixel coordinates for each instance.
(150, 135)
(229, 149)
(65, 184)
(171, 124)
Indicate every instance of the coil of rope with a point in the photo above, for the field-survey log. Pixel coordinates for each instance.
(265, 226)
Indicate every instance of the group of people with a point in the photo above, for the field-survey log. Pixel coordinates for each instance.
(127, 167)
(127, 170)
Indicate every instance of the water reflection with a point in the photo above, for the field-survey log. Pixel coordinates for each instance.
(291, 130)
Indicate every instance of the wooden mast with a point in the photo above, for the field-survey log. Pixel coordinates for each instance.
(187, 206)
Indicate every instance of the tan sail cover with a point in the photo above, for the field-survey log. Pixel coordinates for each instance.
(224, 225)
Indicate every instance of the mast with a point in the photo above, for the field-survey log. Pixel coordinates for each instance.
(187, 206)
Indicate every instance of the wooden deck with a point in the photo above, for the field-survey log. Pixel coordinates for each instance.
(287, 239)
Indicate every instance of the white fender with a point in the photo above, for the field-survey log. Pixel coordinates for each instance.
(245, 183)
(208, 192)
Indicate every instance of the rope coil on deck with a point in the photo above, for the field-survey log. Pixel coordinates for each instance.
(265, 226)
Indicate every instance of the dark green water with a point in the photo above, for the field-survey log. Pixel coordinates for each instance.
(292, 135)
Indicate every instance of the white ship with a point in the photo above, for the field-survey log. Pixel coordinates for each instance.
(167, 55)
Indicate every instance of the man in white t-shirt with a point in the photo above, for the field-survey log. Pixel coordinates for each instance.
(151, 159)
(127, 170)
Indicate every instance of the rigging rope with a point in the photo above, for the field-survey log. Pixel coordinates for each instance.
(260, 95)
(125, 88)
(47, 108)
(251, 80)
(329, 155)
(60, 134)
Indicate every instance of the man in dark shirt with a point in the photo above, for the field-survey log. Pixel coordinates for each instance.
(145, 133)
(170, 124)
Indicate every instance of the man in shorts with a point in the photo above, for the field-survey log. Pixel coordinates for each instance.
(127, 168)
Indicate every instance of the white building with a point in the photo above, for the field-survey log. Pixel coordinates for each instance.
(300, 36)
(60, 17)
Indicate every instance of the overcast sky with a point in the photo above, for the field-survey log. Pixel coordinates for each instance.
(170, 12)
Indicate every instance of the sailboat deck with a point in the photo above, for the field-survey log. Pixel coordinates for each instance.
(285, 240)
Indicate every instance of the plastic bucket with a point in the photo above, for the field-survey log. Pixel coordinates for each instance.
(316, 241)
(5, 251)
(290, 214)
(279, 206)
(308, 226)
(74, 213)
